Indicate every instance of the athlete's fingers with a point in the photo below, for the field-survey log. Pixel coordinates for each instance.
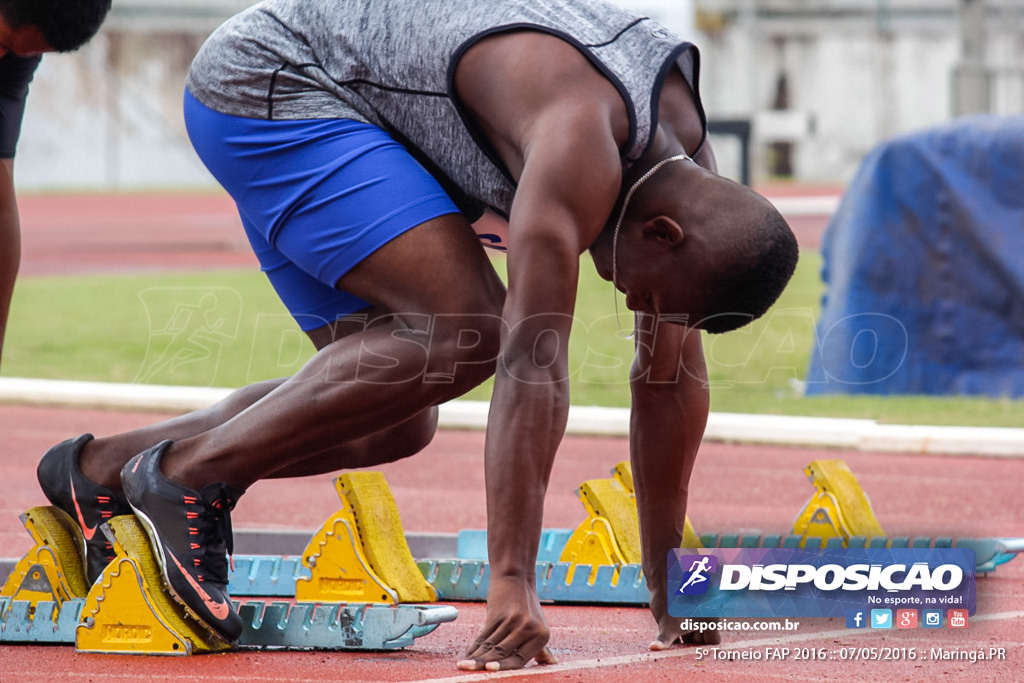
(533, 648)
(513, 652)
(491, 636)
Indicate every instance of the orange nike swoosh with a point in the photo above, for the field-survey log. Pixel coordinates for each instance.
(87, 531)
(218, 609)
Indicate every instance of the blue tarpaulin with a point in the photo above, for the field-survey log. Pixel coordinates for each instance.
(924, 267)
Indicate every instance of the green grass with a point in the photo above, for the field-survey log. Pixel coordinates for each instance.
(228, 328)
(200, 329)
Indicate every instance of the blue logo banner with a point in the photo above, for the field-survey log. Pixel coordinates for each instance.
(836, 582)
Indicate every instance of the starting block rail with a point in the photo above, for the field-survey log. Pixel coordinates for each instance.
(361, 552)
(315, 626)
(468, 580)
(279, 625)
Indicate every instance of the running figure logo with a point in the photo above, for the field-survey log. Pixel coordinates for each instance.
(696, 580)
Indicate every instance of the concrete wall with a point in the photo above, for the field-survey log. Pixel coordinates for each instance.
(109, 116)
(858, 72)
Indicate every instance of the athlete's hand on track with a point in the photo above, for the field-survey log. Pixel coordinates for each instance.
(515, 631)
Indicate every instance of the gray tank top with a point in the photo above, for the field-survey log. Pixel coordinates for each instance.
(392, 62)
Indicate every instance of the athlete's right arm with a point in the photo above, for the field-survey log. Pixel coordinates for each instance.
(565, 193)
(10, 243)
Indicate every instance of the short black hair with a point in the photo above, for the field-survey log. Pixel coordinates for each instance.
(750, 282)
(66, 25)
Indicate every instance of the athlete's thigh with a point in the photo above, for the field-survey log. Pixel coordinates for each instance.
(329, 203)
(347, 325)
(437, 267)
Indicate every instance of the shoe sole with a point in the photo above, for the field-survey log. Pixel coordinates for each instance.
(158, 547)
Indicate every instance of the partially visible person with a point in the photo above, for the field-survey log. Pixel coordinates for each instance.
(28, 28)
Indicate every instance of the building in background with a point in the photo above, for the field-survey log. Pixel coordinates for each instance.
(822, 81)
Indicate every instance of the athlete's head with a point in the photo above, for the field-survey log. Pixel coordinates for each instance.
(34, 26)
(694, 244)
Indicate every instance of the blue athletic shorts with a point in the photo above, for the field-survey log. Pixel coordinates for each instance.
(316, 197)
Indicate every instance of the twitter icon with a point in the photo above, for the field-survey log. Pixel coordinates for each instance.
(881, 618)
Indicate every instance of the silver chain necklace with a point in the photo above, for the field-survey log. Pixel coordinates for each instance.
(618, 224)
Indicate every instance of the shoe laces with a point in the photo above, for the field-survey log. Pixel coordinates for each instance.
(110, 506)
(210, 534)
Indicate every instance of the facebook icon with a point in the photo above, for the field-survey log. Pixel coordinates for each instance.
(855, 618)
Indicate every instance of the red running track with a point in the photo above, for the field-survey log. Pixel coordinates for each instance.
(749, 489)
(740, 489)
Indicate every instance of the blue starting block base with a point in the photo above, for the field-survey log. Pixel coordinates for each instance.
(467, 576)
(470, 579)
(311, 626)
(49, 624)
(265, 576)
(279, 625)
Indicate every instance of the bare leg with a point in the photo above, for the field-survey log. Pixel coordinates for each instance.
(103, 458)
(400, 441)
(441, 340)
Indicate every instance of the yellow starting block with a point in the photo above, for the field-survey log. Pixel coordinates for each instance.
(610, 535)
(53, 570)
(600, 540)
(360, 553)
(623, 473)
(839, 508)
(128, 610)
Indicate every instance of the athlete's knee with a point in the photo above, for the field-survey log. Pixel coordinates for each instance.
(464, 347)
(411, 436)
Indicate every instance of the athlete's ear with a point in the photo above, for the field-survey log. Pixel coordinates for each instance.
(664, 229)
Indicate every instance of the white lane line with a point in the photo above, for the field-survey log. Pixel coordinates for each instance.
(680, 653)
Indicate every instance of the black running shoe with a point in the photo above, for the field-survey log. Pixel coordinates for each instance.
(88, 503)
(191, 535)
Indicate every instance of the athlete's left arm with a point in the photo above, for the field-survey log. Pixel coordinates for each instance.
(670, 400)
